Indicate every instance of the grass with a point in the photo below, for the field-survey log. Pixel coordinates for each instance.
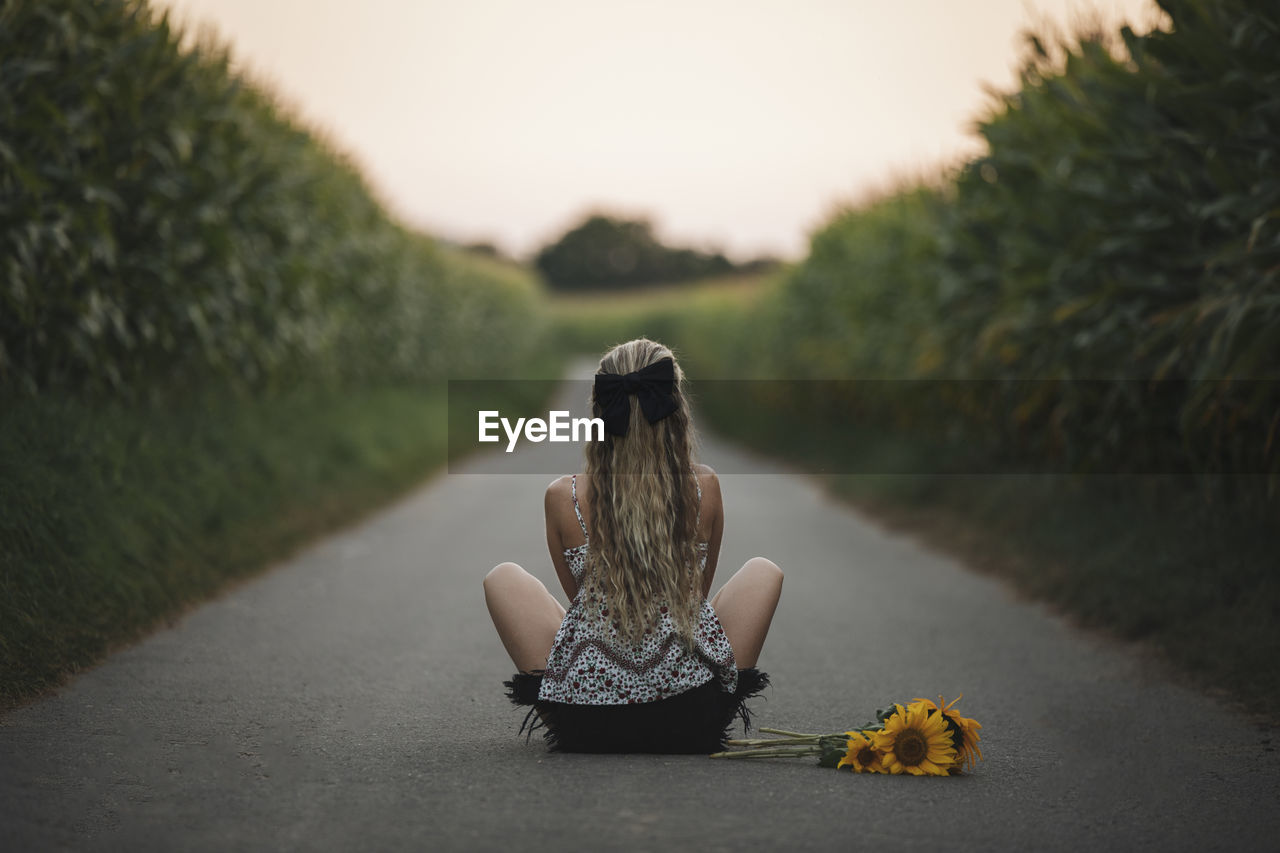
(592, 322)
(659, 296)
(117, 518)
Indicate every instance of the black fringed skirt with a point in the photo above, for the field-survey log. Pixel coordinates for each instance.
(695, 721)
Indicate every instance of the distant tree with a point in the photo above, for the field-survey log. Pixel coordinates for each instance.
(483, 248)
(607, 252)
(761, 263)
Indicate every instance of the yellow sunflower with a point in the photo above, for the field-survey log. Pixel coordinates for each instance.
(966, 744)
(916, 740)
(862, 756)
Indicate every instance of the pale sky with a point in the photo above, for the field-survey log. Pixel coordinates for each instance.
(733, 125)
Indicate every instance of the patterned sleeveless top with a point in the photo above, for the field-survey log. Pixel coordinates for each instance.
(590, 664)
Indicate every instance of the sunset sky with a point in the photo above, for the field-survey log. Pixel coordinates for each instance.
(732, 125)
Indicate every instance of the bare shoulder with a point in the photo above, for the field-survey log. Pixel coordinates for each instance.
(557, 504)
(710, 483)
(707, 476)
(559, 491)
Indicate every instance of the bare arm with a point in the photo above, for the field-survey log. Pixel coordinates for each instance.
(556, 498)
(711, 502)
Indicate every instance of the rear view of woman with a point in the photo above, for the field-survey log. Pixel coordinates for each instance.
(642, 661)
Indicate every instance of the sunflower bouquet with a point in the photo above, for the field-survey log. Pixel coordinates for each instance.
(923, 738)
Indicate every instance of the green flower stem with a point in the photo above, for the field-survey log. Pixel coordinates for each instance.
(790, 734)
(770, 752)
(772, 741)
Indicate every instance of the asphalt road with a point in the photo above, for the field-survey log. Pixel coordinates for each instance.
(351, 699)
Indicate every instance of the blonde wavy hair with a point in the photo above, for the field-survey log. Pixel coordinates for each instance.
(644, 508)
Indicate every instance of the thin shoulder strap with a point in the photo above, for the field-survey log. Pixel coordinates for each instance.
(574, 482)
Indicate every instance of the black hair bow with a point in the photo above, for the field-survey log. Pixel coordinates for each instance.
(654, 387)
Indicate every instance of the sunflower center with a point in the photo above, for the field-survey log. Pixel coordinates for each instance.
(910, 747)
(866, 756)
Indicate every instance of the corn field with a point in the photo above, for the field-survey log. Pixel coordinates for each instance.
(1106, 272)
(164, 224)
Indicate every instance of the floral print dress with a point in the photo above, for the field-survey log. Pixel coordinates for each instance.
(590, 664)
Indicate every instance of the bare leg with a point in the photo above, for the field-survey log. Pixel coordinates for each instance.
(745, 607)
(525, 614)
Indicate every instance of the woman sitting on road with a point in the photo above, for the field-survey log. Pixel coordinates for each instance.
(641, 661)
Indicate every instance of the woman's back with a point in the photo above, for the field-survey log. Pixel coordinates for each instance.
(592, 660)
(568, 506)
